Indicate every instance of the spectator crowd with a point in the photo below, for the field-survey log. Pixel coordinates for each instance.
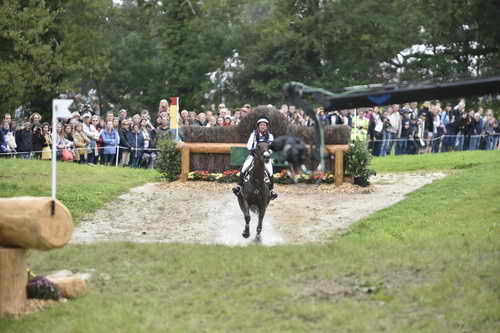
(132, 140)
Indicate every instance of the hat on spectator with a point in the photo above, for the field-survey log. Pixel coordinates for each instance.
(74, 114)
(87, 115)
(123, 110)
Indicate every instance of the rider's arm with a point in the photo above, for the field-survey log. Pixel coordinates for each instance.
(251, 140)
(270, 141)
(271, 138)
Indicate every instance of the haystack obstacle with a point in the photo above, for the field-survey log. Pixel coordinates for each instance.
(186, 148)
(27, 223)
(209, 148)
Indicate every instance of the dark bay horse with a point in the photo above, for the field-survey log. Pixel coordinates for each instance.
(255, 194)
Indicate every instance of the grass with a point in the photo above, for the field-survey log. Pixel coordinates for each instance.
(82, 188)
(429, 263)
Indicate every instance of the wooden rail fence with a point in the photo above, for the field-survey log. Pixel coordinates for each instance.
(186, 148)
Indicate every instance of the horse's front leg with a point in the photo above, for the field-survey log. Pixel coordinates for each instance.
(246, 212)
(262, 212)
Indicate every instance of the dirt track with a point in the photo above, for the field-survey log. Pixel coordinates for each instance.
(208, 213)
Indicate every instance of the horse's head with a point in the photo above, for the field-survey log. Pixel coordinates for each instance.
(263, 150)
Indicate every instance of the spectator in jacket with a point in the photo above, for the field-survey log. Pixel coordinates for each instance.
(124, 144)
(387, 132)
(163, 130)
(184, 121)
(110, 139)
(91, 129)
(469, 128)
(457, 120)
(429, 126)
(24, 140)
(395, 129)
(438, 126)
(149, 156)
(122, 115)
(37, 141)
(136, 141)
(4, 145)
(9, 134)
(449, 138)
(406, 131)
(490, 129)
(478, 131)
(61, 141)
(46, 142)
(81, 142)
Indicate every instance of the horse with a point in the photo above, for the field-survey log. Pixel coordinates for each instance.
(255, 193)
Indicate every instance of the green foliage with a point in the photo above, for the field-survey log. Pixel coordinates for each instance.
(358, 161)
(30, 58)
(169, 159)
(137, 52)
(86, 47)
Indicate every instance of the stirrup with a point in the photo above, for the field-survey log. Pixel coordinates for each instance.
(237, 190)
(274, 195)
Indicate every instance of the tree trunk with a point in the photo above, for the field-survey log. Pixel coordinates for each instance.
(27, 222)
(13, 280)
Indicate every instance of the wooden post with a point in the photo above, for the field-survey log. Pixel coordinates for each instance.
(185, 162)
(339, 167)
(13, 280)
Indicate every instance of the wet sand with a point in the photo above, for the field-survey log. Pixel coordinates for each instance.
(208, 213)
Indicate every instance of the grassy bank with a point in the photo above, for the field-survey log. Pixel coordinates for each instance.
(82, 188)
(427, 264)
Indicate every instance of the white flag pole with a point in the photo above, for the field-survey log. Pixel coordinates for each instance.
(54, 154)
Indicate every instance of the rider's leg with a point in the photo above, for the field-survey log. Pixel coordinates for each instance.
(269, 170)
(244, 169)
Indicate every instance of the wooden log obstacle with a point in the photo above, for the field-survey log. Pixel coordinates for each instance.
(27, 223)
(186, 148)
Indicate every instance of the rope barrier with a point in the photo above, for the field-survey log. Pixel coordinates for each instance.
(436, 138)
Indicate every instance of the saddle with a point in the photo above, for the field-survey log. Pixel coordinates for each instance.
(246, 175)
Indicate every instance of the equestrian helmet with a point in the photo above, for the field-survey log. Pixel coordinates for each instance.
(262, 119)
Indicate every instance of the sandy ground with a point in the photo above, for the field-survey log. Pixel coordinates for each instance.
(208, 213)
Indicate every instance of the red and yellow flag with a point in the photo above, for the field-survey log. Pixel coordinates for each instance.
(174, 112)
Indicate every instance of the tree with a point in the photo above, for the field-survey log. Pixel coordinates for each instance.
(86, 47)
(30, 61)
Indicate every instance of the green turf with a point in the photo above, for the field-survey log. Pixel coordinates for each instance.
(82, 188)
(430, 263)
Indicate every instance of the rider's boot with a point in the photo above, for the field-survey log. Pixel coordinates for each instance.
(237, 188)
(274, 195)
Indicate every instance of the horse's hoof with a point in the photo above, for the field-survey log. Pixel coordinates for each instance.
(245, 234)
(258, 239)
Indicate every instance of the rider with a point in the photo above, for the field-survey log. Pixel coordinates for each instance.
(260, 134)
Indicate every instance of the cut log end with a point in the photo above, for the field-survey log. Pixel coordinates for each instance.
(27, 222)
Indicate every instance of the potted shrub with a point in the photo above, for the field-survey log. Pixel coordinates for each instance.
(358, 161)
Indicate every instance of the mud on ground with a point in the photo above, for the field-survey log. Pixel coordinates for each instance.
(208, 213)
